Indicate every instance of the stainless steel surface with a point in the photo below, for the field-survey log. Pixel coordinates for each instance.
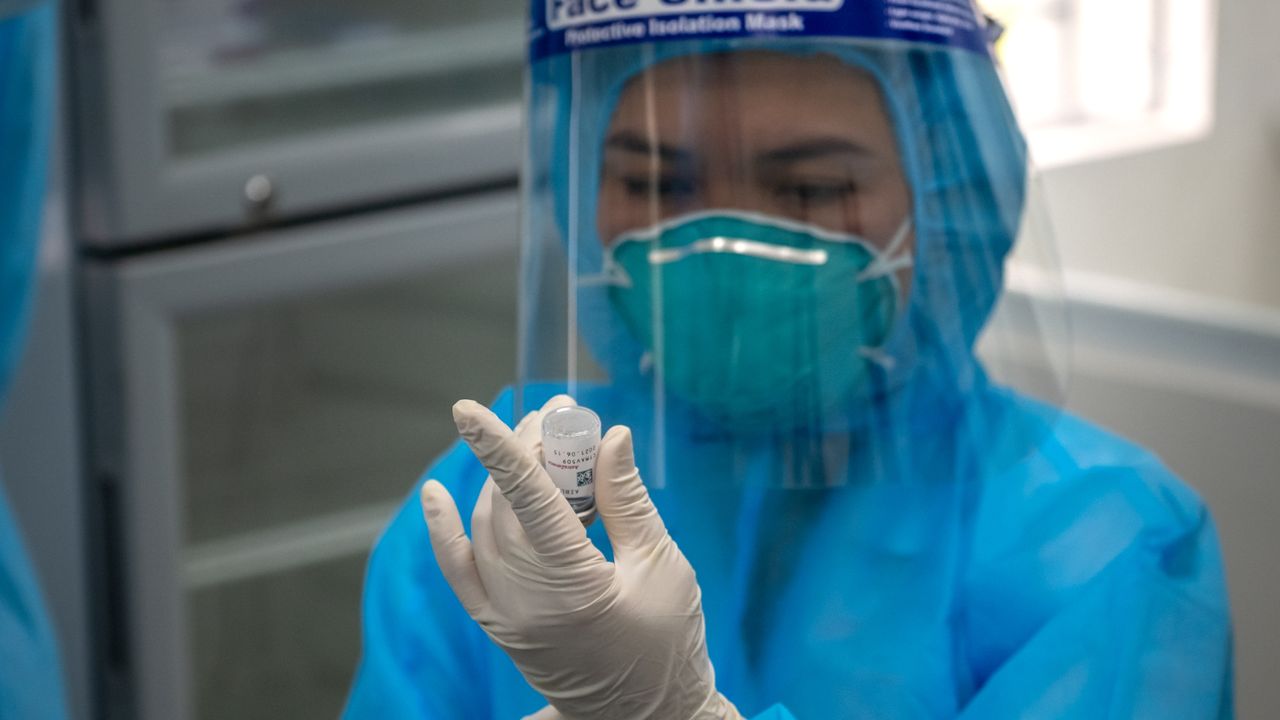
(259, 192)
(261, 406)
(177, 102)
(306, 378)
(282, 645)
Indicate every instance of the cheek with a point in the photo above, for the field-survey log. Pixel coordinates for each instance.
(614, 214)
(619, 211)
(906, 283)
(878, 214)
(835, 219)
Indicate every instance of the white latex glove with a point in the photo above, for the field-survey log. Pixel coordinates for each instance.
(599, 640)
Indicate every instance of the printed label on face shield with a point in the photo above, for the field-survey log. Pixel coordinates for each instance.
(563, 26)
(562, 14)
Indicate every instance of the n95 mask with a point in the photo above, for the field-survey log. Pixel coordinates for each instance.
(757, 323)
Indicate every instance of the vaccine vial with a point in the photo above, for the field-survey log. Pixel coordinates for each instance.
(570, 441)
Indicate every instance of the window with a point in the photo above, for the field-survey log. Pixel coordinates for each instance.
(1094, 78)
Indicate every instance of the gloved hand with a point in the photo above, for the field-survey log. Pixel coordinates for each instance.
(599, 640)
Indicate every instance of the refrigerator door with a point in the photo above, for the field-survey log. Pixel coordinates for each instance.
(259, 409)
(199, 116)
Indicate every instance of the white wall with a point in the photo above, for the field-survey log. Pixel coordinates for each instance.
(1203, 216)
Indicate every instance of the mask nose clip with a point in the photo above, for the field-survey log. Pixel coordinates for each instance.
(739, 246)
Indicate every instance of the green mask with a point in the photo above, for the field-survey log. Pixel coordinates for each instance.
(758, 323)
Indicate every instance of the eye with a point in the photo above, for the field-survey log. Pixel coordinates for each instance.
(666, 187)
(816, 192)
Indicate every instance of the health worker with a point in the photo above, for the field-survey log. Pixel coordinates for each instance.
(765, 251)
(30, 675)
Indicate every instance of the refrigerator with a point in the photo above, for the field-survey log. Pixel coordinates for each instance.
(295, 235)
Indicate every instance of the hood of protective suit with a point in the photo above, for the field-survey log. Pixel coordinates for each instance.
(966, 163)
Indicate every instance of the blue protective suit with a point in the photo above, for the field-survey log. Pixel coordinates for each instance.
(30, 676)
(1088, 585)
(1022, 563)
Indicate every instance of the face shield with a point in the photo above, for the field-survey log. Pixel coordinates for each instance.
(770, 240)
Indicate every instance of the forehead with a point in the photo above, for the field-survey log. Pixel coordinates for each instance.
(761, 92)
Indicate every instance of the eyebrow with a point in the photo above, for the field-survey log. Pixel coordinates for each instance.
(631, 142)
(628, 141)
(816, 148)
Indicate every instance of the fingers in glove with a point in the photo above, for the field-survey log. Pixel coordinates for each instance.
(621, 497)
(482, 526)
(548, 522)
(451, 547)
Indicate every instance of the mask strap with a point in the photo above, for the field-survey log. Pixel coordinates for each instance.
(611, 275)
(886, 263)
(879, 357)
(899, 238)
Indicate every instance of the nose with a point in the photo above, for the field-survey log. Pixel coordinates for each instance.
(717, 193)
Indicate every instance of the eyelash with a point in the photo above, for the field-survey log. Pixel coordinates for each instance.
(664, 187)
(812, 193)
(816, 192)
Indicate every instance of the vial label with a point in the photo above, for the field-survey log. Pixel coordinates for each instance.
(571, 464)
